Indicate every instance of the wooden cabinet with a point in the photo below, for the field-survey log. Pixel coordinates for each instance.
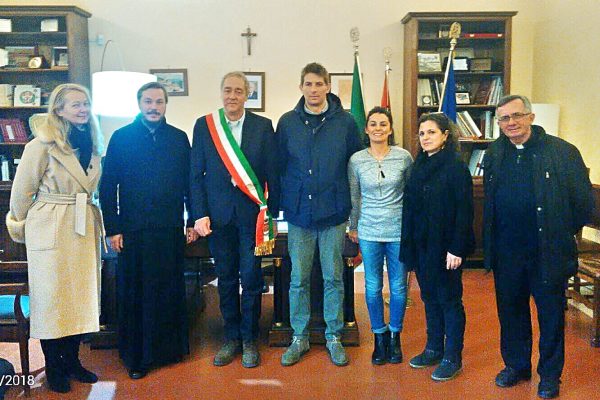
(69, 39)
(486, 37)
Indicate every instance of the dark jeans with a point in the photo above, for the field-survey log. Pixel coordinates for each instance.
(232, 247)
(517, 279)
(441, 291)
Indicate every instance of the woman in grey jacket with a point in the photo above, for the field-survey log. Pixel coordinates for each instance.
(377, 176)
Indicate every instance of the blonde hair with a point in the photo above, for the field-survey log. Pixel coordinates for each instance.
(56, 128)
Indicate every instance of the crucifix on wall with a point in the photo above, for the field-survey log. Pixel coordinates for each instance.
(248, 34)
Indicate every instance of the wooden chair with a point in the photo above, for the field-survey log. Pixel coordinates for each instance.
(14, 322)
(586, 290)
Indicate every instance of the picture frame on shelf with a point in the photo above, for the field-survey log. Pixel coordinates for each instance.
(444, 31)
(463, 98)
(429, 62)
(18, 56)
(175, 80)
(257, 91)
(340, 84)
(481, 64)
(460, 63)
(27, 96)
(60, 56)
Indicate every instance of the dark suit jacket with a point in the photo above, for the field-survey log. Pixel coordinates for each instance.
(212, 193)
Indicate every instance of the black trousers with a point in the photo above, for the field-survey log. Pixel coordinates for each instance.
(441, 291)
(517, 278)
(232, 247)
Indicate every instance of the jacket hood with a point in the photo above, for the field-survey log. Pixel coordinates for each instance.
(335, 105)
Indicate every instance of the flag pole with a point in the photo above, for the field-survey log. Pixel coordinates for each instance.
(387, 52)
(455, 29)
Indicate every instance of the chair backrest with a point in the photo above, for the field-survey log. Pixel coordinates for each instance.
(595, 222)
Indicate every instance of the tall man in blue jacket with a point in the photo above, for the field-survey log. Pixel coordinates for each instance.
(316, 140)
(537, 197)
(233, 161)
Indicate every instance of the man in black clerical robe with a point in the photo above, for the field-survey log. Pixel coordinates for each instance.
(143, 191)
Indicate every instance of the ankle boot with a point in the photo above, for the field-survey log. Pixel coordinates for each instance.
(73, 365)
(394, 354)
(381, 343)
(55, 373)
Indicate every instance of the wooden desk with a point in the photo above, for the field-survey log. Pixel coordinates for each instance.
(281, 332)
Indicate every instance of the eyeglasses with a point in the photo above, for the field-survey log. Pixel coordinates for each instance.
(515, 116)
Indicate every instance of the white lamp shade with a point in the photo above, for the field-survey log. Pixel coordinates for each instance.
(114, 92)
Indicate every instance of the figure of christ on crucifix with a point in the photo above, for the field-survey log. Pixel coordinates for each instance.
(248, 34)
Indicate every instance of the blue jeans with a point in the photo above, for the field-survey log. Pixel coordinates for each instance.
(301, 246)
(373, 254)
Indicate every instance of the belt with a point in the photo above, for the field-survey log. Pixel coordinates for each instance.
(81, 201)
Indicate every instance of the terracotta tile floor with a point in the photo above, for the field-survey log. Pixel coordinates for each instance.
(316, 378)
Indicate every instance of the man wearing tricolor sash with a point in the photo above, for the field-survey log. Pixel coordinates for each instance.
(235, 192)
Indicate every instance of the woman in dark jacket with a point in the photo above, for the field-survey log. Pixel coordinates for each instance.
(437, 235)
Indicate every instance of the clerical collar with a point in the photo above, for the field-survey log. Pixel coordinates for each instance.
(236, 123)
(310, 112)
(152, 126)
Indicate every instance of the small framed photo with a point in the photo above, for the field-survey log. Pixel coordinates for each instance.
(174, 80)
(460, 63)
(481, 64)
(429, 62)
(341, 85)
(463, 98)
(444, 31)
(426, 100)
(256, 94)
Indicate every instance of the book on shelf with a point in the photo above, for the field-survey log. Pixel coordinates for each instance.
(13, 130)
(6, 95)
(18, 56)
(464, 130)
(476, 162)
(473, 128)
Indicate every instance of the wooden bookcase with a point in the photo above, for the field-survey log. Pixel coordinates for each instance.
(492, 40)
(72, 38)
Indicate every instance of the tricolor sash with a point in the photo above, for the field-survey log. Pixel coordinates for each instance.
(244, 177)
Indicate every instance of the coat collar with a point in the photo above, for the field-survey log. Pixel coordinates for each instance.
(71, 164)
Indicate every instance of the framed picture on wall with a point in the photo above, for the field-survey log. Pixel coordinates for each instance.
(256, 94)
(174, 80)
(341, 86)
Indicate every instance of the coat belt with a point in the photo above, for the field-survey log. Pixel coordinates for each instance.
(81, 201)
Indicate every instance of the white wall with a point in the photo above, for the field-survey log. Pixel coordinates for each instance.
(204, 37)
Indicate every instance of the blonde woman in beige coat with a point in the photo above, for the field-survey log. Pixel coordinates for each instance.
(53, 211)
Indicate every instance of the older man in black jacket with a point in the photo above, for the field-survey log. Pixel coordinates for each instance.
(537, 197)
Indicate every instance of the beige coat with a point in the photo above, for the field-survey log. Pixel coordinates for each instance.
(62, 238)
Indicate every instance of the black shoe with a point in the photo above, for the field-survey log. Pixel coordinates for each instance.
(509, 377)
(379, 356)
(137, 373)
(427, 358)
(548, 388)
(83, 375)
(250, 355)
(227, 353)
(394, 348)
(446, 370)
(57, 380)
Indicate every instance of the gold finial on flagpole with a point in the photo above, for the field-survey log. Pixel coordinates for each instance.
(455, 29)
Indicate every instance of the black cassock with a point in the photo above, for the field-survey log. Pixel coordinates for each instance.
(142, 193)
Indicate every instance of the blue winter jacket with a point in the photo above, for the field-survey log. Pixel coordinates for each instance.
(313, 161)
